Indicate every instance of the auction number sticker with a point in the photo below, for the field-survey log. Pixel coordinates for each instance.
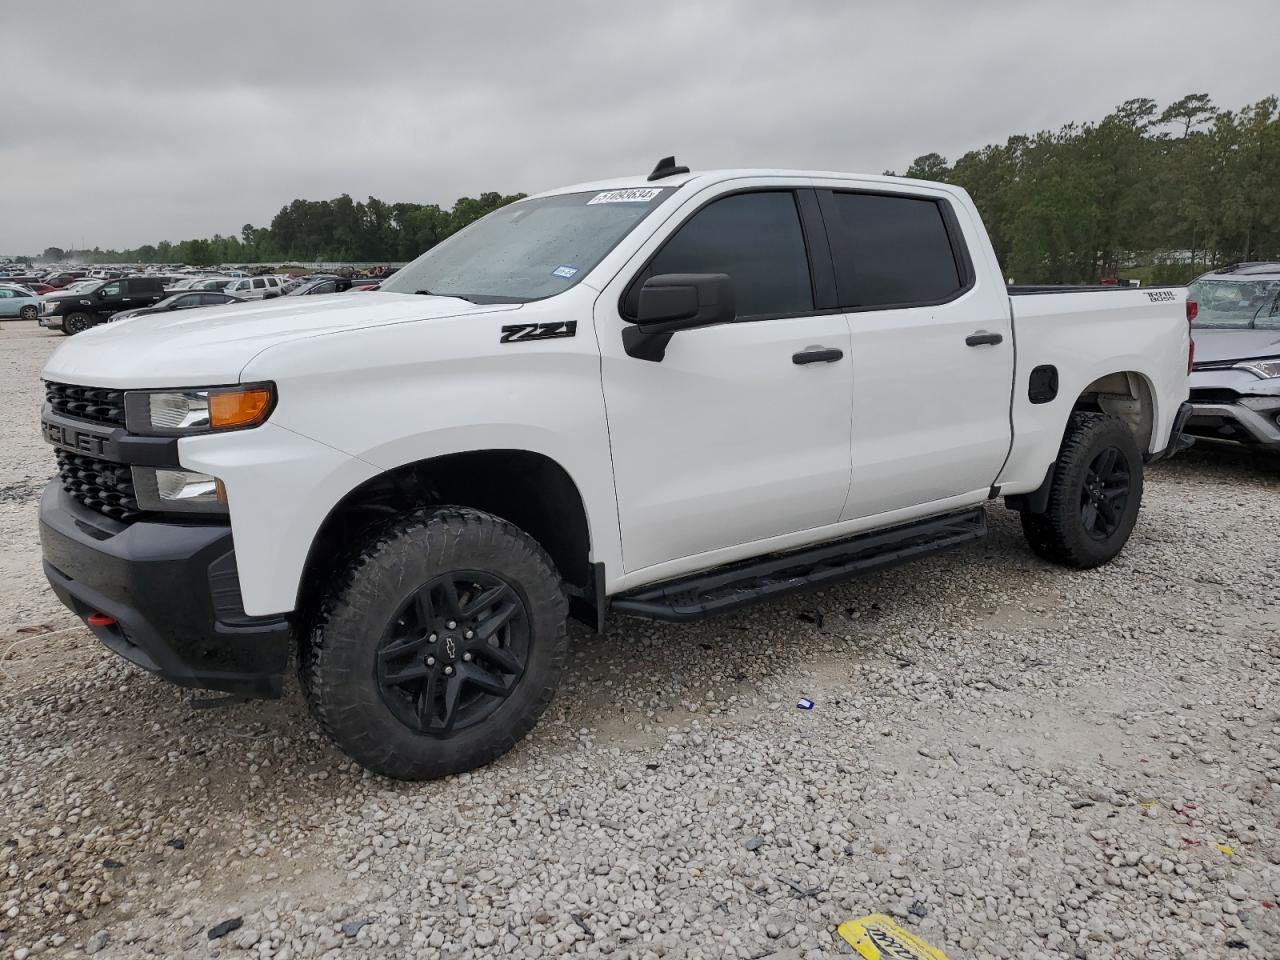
(636, 195)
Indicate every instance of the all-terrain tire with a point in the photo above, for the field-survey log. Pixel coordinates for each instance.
(77, 322)
(1060, 534)
(29, 312)
(338, 664)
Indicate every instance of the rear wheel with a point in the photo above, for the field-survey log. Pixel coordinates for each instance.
(29, 312)
(77, 322)
(1094, 496)
(439, 647)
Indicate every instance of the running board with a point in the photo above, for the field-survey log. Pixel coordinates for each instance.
(764, 578)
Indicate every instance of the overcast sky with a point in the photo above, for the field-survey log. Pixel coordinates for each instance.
(128, 123)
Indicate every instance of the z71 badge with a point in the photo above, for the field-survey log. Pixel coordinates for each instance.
(521, 332)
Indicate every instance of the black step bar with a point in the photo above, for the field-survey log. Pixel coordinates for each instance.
(764, 578)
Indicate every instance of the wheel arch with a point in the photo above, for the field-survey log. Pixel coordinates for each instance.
(529, 489)
(1129, 396)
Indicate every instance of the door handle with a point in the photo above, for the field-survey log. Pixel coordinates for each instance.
(982, 338)
(817, 355)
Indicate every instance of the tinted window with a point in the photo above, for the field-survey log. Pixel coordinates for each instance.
(756, 239)
(259, 284)
(890, 251)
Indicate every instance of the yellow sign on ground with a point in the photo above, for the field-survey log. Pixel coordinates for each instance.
(878, 938)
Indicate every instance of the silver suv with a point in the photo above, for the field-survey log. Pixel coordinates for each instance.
(254, 288)
(1235, 381)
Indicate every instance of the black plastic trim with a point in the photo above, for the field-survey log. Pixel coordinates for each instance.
(157, 580)
(107, 443)
(1178, 440)
(774, 575)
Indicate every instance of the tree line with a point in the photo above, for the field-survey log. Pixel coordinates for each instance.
(310, 230)
(1163, 194)
(1158, 193)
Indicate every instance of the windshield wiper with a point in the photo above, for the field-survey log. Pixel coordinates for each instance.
(455, 296)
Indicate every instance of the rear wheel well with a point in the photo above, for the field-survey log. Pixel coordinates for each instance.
(1128, 397)
(527, 489)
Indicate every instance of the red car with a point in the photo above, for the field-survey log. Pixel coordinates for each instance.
(40, 289)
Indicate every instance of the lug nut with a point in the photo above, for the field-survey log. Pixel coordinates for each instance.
(448, 671)
(431, 661)
(451, 624)
(466, 657)
(469, 634)
(432, 638)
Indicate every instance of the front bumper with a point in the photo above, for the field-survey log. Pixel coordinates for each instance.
(1254, 421)
(173, 591)
(51, 321)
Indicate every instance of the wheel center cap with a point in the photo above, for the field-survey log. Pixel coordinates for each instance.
(450, 648)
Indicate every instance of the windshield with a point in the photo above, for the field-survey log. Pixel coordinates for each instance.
(1236, 303)
(528, 250)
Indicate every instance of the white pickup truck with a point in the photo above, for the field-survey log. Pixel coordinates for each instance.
(664, 397)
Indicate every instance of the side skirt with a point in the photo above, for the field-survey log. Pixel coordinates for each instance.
(775, 575)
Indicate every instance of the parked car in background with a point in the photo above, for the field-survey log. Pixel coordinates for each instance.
(318, 287)
(184, 300)
(76, 312)
(254, 288)
(65, 278)
(1235, 381)
(17, 301)
(213, 283)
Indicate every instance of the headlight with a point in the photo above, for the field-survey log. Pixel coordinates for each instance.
(180, 413)
(1266, 369)
(49, 306)
(162, 488)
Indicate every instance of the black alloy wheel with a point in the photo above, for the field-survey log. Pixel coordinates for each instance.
(454, 652)
(1105, 494)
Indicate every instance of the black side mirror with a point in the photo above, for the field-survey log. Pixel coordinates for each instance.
(677, 301)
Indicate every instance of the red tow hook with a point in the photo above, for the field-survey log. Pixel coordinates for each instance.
(100, 620)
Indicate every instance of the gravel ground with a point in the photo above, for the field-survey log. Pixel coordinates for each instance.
(1015, 760)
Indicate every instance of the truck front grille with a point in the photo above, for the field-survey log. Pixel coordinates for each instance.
(95, 404)
(99, 484)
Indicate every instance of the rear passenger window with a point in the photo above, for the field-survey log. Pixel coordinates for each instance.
(756, 239)
(890, 251)
(259, 284)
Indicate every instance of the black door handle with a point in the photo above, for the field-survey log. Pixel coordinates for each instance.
(817, 355)
(982, 338)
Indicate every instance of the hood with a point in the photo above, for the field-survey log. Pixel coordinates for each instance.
(211, 345)
(1214, 346)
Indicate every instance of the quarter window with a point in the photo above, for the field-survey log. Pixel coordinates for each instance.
(756, 239)
(890, 250)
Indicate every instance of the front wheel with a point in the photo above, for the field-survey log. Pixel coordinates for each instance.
(29, 312)
(438, 647)
(77, 322)
(1094, 496)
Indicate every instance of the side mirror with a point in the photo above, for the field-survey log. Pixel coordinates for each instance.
(671, 302)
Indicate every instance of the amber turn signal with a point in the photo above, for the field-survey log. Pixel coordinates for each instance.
(238, 408)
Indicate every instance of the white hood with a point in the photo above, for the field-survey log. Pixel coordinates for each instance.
(211, 345)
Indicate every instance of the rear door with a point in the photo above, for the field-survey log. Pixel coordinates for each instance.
(932, 352)
(729, 439)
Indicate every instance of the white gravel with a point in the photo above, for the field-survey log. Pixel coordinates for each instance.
(1015, 760)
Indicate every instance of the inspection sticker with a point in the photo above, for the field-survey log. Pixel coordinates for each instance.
(636, 195)
(878, 938)
(565, 272)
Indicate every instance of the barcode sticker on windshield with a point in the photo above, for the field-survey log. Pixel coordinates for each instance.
(638, 195)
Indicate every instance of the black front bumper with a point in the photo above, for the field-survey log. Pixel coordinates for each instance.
(173, 592)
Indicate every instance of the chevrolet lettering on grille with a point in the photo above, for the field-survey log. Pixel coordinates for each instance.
(69, 438)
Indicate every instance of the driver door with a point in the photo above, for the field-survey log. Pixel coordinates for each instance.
(734, 437)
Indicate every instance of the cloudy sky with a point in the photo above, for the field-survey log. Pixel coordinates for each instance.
(132, 122)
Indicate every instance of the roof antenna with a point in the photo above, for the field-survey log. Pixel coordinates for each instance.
(666, 168)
